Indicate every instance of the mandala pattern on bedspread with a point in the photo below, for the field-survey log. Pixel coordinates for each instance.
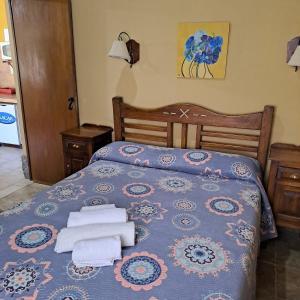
(224, 206)
(106, 170)
(131, 150)
(24, 278)
(81, 273)
(197, 157)
(166, 159)
(33, 238)
(96, 200)
(69, 292)
(241, 170)
(104, 188)
(217, 296)
(46, 209)
(175, 184)
(138, 190)
(185, 204)
(146, 211)
(201, 256)
(243, 233)
(251, 197)
(141, 271)
(66, 192)
(186, 222)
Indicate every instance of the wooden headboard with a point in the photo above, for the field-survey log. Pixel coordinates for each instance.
(247, 134)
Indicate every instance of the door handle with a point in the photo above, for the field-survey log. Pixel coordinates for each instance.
(71, 102)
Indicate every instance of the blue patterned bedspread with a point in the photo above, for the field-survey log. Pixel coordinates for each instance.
(199, 219)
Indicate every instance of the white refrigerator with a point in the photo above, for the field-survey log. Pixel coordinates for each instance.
(9, 133)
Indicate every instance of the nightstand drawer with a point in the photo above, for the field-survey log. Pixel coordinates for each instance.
(288, 200)
(288, 173)
(75, 146)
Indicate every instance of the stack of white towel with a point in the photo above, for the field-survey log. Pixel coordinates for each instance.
(96, 234)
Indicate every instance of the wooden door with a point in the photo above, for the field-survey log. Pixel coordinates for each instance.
(45, 54)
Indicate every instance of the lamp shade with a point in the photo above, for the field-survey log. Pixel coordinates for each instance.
(295, 58)
(119, 50)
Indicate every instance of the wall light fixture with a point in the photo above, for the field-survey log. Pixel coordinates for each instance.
(125, 48)
(293, 53)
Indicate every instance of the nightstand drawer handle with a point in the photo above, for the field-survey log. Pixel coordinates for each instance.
(294, 176)
(75, 146)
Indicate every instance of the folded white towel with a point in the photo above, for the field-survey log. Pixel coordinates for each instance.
(68, 236)
(97, 252)
(98, 216)
(95, 207)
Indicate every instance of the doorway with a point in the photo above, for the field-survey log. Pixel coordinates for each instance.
(12, 176)
(44, 77)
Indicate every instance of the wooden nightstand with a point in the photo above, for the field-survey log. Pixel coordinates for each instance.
(284, 184)
(80, 143)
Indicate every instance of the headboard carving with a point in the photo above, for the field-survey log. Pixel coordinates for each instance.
(247, 134)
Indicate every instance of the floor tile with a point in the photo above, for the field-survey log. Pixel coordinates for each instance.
(288, 282)
(8, 190)
(266, 282)
(287, 256)
(22, 182)
(267, 251)
(11, 173)
(278, 273)
(21, 194)
(287, 248)
(288, 235)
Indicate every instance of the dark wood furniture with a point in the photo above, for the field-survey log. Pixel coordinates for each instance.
(247, 134)
(80, 143)
(46, 65)
(284, 184)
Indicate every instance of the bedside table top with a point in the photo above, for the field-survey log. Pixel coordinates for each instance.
(285, 152)
(285, 146)
(89, 131)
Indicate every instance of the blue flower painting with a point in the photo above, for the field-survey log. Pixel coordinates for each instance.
(202, 54)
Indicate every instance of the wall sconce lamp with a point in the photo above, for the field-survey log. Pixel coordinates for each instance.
(125, 48)
(293, 52)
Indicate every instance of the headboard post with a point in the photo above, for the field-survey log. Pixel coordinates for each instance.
(118, 120)
(265, 135)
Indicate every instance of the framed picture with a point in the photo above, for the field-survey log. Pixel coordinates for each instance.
(202, 50)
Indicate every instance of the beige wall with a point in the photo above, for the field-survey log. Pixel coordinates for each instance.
(256, 70)
(3, 19)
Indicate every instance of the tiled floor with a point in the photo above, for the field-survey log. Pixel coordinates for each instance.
(14, 188)
(278, 273)
(11, 174)
(20, 195)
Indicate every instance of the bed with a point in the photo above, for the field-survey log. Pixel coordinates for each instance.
(200, 214)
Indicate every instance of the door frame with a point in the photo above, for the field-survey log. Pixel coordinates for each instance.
(18, 83)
